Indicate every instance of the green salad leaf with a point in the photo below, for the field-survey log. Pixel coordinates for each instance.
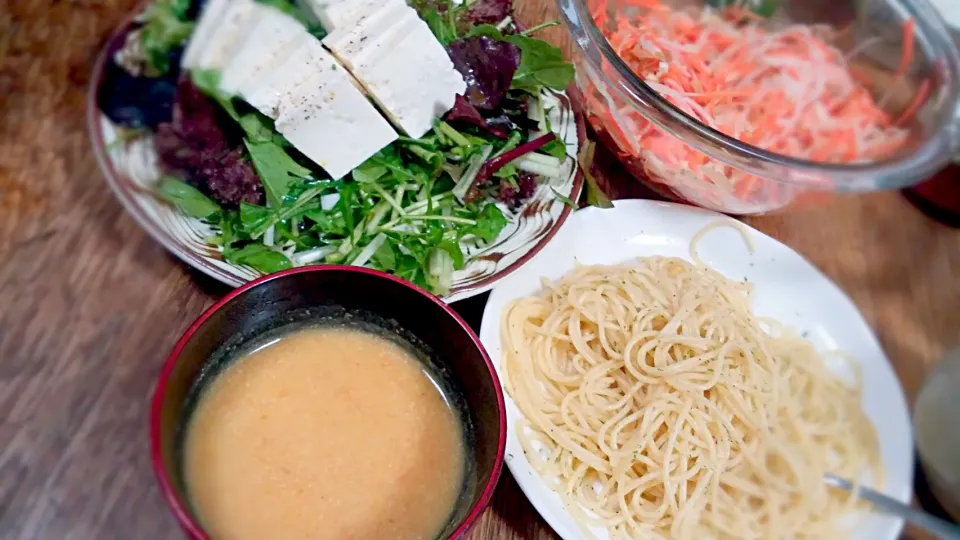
(455, 251)
(444, 30)
(165, 28)
(276, 169)
(291, 8)
(386, 257)
(258, 256)
(595, 195)
(259, 128)
(286, 6)
(254, 217)
(445, 18)
(487, 30)
(188, 198)
(370, 171)
(564, 199)
(539, 27)
(541, 65)
(208, 82)
(556, 148)
(490, 222)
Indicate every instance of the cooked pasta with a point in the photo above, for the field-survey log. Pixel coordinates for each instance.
(659, 406)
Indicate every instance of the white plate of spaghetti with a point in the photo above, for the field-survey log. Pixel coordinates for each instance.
(671, 373)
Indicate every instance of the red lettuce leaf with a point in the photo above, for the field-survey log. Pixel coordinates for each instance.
(489, 11)
(479, 11)
(465, 113)
(201, 144)
(499, 162)
(487, 66)
(516, 194)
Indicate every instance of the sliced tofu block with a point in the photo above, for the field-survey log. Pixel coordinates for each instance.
(237, 20)
(307, 58)
(207, 23)
(371, 35)
(411, 78)
(369, 25)
(272, 38)
(337, 14)
(331, 122)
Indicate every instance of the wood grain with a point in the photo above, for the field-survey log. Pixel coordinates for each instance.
(89, 306)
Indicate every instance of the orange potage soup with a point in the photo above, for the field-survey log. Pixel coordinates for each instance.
(324, 433)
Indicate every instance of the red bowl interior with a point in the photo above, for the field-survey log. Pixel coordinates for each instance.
(326, 291)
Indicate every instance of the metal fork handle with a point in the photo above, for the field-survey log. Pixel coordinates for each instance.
(934, 525)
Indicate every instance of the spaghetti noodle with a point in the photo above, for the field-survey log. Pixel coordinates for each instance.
(659, 406)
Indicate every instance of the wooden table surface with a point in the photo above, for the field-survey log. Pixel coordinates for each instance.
(89, 305)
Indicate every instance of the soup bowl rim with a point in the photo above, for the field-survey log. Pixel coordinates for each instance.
(180, 508)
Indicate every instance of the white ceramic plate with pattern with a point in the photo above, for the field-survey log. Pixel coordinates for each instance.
(131, 169)
(787, 288)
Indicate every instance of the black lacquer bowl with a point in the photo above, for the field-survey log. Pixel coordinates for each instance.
(334, 293)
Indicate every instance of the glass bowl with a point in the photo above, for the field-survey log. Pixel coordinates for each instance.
(725, 174)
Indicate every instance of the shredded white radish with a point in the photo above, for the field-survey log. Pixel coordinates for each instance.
(787, 90)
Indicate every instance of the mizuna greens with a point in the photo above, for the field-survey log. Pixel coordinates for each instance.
(412, 207)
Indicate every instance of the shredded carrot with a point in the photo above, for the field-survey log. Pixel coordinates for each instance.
(907, 57)
(922, 93)
(788, 90)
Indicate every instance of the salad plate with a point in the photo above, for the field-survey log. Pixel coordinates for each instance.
(518, 210)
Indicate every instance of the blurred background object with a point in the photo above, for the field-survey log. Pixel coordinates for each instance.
(939, 197)
(938, 441)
